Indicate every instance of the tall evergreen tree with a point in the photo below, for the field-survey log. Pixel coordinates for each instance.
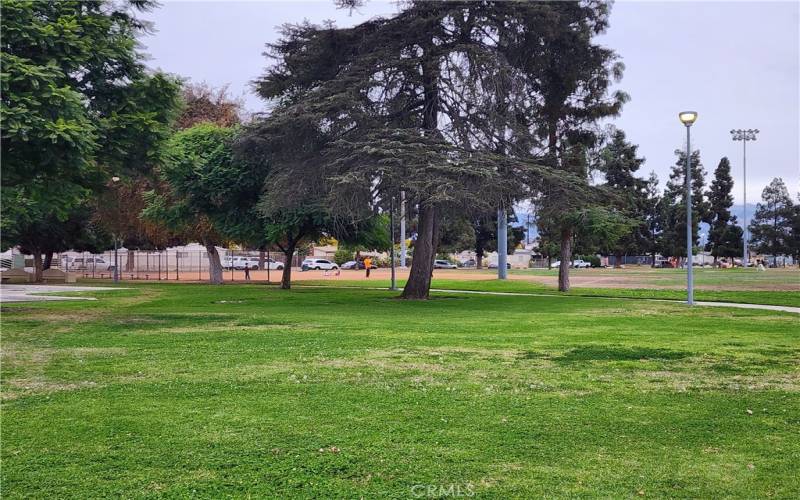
(619, 163)
(572, 80)
(725, 237)
(426, 103)
(771, 226)
(653, 214)
(673, 241)
(794, 233)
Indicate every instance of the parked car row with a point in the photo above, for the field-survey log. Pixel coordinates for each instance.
(578, 263)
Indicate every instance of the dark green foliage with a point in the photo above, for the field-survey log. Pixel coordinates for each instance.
(619, 163)
(794, 233)
(725, 236)
(425, 102)
(771, 226)
(653, 216)
(209, 195)
(673, 240)
(77, 107)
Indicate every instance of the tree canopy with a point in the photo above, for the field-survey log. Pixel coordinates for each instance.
(78, 107)
(444, 101)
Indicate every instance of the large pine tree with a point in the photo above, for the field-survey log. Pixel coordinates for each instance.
(653, 214)
(442, 101)
(771, 226)
(673, 241)
(619, 163)
(725, 237)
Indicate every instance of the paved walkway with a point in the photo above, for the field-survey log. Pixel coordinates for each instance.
(795, 310)
(28, 293)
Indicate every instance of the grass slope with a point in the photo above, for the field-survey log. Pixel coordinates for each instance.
(192, 390)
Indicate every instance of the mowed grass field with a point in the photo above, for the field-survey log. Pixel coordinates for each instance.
(180, 390)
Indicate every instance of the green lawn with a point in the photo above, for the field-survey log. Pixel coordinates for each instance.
(737, 277)
(175, 390)
(767, 297)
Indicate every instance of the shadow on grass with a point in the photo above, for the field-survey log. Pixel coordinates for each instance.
(600, 353)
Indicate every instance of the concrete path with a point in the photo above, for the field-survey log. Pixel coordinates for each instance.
(27, 293)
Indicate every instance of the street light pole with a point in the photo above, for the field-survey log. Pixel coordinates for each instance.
(744, 136)
(688, 118)
(403, 249)
(502, 244)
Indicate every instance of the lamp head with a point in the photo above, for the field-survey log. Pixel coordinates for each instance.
(687, 117)
(115, 179)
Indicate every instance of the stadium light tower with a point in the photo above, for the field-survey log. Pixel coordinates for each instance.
(744, 136)
(688, 118)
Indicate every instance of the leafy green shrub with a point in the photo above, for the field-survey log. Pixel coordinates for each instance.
(342, 255)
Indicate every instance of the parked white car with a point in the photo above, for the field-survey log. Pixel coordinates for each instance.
(443, 264)
(88, 264)
(317, 264)
(578, 263)
(272, 264)
(239, 262)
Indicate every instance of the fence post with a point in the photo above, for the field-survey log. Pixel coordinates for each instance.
(177, 265)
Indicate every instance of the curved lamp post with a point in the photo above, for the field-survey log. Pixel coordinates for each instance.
(744, 136)
(688, 118)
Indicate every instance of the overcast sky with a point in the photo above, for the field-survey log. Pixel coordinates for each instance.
(736, 63)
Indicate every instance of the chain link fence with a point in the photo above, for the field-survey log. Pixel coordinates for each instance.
(172, 264)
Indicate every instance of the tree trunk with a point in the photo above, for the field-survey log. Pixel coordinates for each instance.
(479, 258)
(130, 264)
(286, 277)
(566, 259)
(214, 265)
(653, 259)
(419, 278)
(617, 260)
(262, 258)
(38, 267)
(48, 260)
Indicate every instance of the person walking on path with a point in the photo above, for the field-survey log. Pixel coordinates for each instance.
(367, 264)
(247, 272)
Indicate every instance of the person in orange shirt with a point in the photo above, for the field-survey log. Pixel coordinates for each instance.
(367, 264)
